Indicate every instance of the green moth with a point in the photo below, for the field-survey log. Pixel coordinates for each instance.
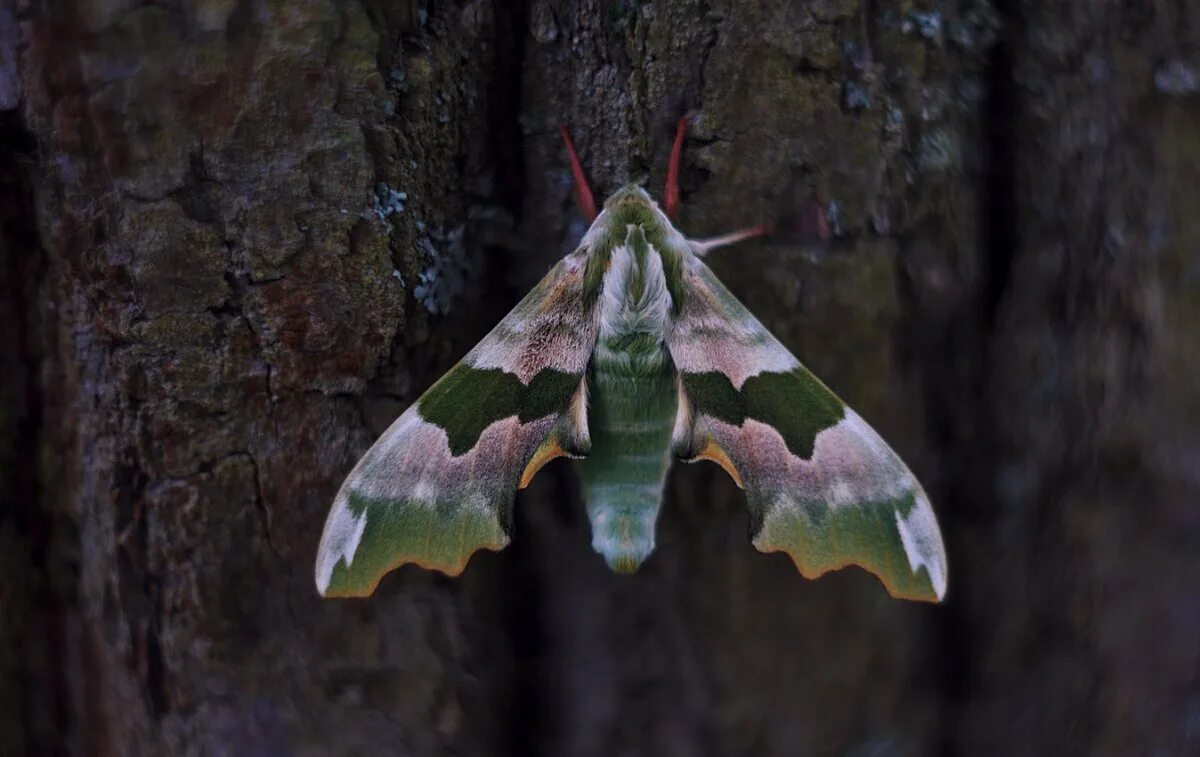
(628, 354)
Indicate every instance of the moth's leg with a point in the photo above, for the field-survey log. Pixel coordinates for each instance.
(583, 193)
(701, 247)
(671, 193)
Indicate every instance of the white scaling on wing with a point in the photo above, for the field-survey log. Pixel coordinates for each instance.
(716, 332)
(923, 543)
(343, 532)
(850, 463)
(423, 491)
(851, 466)
(547, 332)
(478, 502)
(841, 493)
(403, 463)
(702, 344)
(859, 463)
(412, 461)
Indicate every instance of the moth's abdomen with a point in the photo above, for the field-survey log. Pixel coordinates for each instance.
(622, 526)
(631, 414)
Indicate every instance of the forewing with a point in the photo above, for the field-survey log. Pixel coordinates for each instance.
(440, 483)
(821, 484)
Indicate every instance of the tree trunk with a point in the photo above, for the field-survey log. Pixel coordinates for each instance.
(238, 238)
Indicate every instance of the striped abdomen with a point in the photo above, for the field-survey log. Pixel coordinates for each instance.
(631, 412)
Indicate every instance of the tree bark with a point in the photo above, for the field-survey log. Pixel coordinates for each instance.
(239, 237)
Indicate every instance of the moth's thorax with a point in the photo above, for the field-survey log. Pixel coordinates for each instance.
(635, 304)
(630, 211)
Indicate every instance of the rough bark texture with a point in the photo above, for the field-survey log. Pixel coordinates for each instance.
(215, 298)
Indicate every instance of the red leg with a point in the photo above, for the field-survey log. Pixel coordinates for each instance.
(583, 193)
(671, 194)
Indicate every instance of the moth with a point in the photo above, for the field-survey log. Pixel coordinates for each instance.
(627, 355)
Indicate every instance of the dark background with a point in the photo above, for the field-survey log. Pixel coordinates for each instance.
(987, 241)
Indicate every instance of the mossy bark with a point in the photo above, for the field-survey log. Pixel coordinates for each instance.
(238, 238)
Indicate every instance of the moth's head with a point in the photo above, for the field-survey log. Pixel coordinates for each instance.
(630, 194)
(632, 206)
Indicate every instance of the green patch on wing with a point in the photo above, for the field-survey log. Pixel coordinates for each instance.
(820, 539)
(467, 400)
(440, 536)
(795, 403)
